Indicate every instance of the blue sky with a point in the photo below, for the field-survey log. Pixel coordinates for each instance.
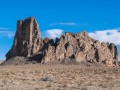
(97, 17)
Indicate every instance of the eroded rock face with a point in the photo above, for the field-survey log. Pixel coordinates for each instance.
(70, 46)
(27, 39)
(81, 48)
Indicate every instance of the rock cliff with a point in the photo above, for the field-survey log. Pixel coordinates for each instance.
(70, 46)
(27, 39)
(81, 47)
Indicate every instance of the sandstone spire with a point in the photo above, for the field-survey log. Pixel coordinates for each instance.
(27, 39)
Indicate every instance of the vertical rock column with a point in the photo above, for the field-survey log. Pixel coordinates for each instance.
(27, 39)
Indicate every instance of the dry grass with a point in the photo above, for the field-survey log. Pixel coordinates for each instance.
(59, 77)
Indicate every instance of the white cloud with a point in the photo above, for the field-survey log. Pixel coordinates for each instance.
(111, 35)
(71, 24)
(65, 24)
(53, 33)
(6, 33)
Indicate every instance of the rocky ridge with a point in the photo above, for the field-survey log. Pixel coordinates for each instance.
(70, 47)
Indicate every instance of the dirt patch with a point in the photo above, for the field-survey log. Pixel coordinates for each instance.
(59, 77)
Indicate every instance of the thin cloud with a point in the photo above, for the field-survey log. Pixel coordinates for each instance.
(110, 35)
(5, 32)
(52, 33)
(70, 24)
(64, 24)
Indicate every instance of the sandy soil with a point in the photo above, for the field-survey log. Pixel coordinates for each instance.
(59, 77)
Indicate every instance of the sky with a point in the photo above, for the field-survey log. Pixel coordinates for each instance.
(100, 18)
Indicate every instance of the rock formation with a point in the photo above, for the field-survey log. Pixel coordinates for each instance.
(82, 48)
(27, 39)
(70, 46)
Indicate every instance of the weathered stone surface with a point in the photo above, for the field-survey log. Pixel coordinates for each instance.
(70, 47)
(27, 39)
(81, 47)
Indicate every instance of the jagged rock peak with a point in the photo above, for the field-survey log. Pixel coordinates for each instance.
(27, 39)
(83, 32)
(81, 48)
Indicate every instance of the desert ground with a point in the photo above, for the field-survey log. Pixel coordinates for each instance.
(59, 77)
